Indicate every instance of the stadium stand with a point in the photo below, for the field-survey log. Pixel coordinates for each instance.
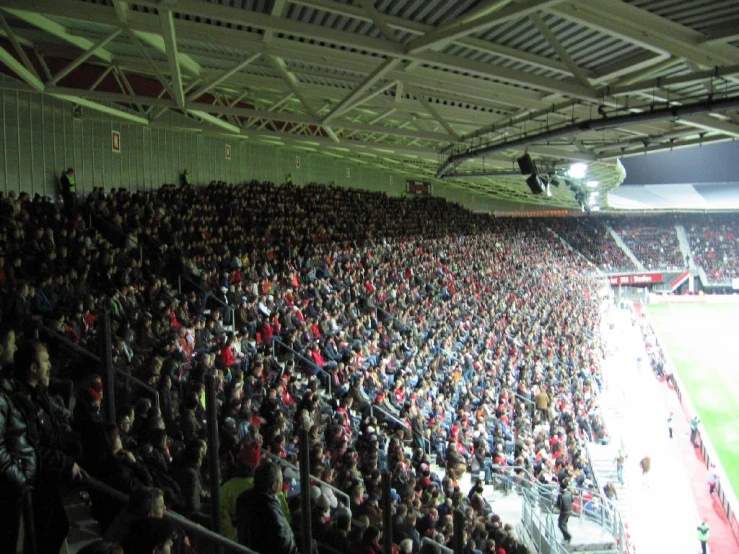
(653, 241)
(591, 238)
(714, 245)
(403, 335)
(454, 336)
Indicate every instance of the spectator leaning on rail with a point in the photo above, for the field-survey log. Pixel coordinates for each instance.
(28, 390)
(17, 468)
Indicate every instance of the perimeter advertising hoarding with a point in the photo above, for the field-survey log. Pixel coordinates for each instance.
(635, 279)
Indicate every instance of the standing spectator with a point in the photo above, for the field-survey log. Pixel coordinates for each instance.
(703, 533)
(31, 371)
(620, 459)
(69, 190)
(645, 464)
(17, 468)
(260, 521)
(669, 424)
(712, 479)
(564, 504)
(694, 422)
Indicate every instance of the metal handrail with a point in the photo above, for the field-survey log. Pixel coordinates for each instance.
(402, 424)
(97, 359)
(285, 463)
(607, 517)
(308, 361)
(390, 416)
(211, 295)
(438, 545)
(540, 528)
(174, 517)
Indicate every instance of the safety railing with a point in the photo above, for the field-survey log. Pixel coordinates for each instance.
(587, 504)
(187, 525)
(328, 377)
(208, 294)
(441, 548)
(404, 425)
(285, 463)
(130, 379)
(540, 526)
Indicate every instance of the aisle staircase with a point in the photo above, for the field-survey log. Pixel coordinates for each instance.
(682, 239)
(626, 249)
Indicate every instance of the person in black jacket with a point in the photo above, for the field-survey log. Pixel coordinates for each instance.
(32, 368)
(260, 521)
(17, 468)
(564, 503)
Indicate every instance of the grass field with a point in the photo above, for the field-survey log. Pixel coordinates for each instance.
(703, 344)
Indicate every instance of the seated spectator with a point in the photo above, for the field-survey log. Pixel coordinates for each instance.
(144, 502)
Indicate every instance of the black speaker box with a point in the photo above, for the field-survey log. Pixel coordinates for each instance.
(526, 165)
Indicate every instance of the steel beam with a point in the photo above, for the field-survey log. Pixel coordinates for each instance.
(170, 41)
(559, 48)
(102, 108)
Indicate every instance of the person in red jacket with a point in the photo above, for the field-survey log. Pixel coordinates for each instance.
(228, 354)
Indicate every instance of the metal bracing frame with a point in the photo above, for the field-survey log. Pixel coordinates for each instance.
(223, 77)
(456, 30)
(86, 55)
(17, 45)
(345, 78)
(561, 51)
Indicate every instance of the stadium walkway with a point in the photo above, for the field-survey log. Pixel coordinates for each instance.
(722, 540)
(664, 515)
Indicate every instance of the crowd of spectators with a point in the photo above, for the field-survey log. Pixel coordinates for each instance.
(591, 238)
(476, 336)
(714, 245)
(653, 241)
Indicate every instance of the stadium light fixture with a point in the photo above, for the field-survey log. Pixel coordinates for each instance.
(592, 184)
(578, 170)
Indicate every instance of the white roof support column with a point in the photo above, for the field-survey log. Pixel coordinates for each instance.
(170, 41)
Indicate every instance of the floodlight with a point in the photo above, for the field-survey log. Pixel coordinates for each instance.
(578, 170)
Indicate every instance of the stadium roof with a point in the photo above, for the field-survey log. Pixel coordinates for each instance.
(445, 87)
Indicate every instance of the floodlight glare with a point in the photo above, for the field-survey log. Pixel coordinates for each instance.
(593, 184)
(578, 170)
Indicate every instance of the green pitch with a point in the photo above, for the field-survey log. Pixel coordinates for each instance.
(702, 343)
